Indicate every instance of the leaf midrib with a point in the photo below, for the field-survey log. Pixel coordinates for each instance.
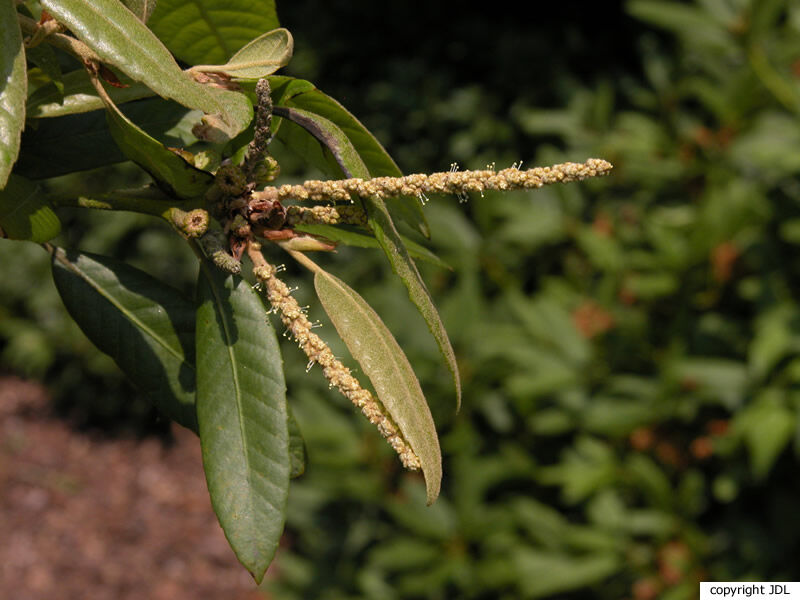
(234, 370)
(61, 256)
(239, 65)
(123, 34)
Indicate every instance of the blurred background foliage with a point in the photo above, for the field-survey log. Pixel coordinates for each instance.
(630, 348)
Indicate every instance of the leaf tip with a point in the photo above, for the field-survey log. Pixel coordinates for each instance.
(258, 574)
(433, 487)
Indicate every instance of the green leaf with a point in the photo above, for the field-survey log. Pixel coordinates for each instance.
(146, 199)
(341, 150)
(349, 237)
(551, 325)
(166, 167)
(775, 336)
(544, 573)
(118, 37)
(724, 380)
(333, 152)
(24, 213)
(241, 410)
(211, 31)
(383, 361)
(44, 57)
(79, 96)
(301, 94)
(261, 57)
(141, 8)
(767, 426)
(146, 326)
(680, 19)
(402, 264)
(13, 88)
(83, 141)
(284, 88)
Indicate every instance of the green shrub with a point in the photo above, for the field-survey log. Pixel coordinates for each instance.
(628, 347)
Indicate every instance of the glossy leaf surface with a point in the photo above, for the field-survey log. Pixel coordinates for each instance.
(211, 31)
(13, 88)
(383, 361)
(24, 213)
(118, 37)
(146, 326)
(241, 410)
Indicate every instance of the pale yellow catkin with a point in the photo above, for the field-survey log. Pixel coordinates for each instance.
(294, 318)
(450, 182)
(420, 185)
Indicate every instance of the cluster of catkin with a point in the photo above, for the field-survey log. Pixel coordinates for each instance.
(451, 182)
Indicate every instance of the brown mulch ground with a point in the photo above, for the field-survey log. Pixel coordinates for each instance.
(83, 517)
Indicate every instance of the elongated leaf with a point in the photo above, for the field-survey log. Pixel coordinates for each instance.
(241, 410)
(261, 57)
(402, 264)
(83, 141)
(332, 151)
(348, 237)
(13, 88)
(387, 367)
(211, 31)
(337, 147)
(166, 167)
(146, 326)
(24, 213)
(78, 96)
(117, 36)
(303, 95)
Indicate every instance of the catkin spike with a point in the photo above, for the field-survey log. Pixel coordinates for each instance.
(317, 351)
(449, 182)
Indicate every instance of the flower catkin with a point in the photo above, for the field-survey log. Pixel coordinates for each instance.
(294, 318)
(449, 182)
